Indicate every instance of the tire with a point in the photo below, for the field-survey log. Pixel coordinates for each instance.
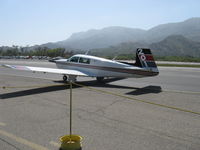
(65, 78)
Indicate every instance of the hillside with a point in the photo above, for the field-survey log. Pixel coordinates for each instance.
(172, 39)
(102, 38)
(175, 45)
(110, 36)
(189, 28)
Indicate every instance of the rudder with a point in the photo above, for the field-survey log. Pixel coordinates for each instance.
(144, 58)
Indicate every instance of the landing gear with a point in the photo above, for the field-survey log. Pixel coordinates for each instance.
(71, 78)
(100, 79)
(65, 78)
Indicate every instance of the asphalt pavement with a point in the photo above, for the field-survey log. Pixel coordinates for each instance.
(153, 113)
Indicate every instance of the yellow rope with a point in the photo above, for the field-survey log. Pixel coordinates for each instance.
(139, 100)
(115, 94)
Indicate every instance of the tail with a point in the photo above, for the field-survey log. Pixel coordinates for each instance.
(144, 59)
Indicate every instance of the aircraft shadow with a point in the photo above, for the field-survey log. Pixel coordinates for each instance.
(146, 90)
(33, 91)
(137, 91)
(40, 90)
(93, 83)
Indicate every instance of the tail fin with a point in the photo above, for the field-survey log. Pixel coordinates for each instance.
(144, 59)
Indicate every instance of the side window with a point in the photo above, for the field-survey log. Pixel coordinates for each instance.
(84, 60)
(74, 59)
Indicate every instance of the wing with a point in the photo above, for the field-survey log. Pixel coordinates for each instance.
(47, 70)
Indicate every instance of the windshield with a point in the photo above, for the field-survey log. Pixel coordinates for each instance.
(74, 59)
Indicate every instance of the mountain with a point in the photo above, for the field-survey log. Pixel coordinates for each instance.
(173, 45)
(102, 38)
(176, 45)
(125, 48)
(110, 36)
(174, 39)
(189, 28)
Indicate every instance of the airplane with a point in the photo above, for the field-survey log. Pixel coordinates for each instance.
(92, 66)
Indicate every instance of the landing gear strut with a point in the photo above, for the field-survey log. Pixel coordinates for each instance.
(100, 79)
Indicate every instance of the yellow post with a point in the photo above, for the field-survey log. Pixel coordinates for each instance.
(71, 142)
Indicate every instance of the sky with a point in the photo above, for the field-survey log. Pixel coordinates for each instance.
(30, 22)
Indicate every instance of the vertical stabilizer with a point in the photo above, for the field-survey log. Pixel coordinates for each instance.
(144, 59)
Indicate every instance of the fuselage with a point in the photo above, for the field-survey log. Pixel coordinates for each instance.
(100, 67)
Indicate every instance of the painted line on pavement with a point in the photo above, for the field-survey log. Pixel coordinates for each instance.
(2, 124)
(23, 141)
(54, 144)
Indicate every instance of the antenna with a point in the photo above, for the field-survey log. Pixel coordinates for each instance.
(87, 52)
(115, 57)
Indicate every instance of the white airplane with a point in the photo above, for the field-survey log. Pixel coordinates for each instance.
(91, 66)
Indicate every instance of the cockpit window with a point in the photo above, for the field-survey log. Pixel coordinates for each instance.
(74, 59)
(84, 60)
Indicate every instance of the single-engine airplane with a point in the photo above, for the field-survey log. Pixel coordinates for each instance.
(92, 66)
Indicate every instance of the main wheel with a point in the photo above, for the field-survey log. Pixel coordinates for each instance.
(65, 78)
(100, 79)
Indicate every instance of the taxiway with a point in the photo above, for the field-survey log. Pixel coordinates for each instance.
(34, 110)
